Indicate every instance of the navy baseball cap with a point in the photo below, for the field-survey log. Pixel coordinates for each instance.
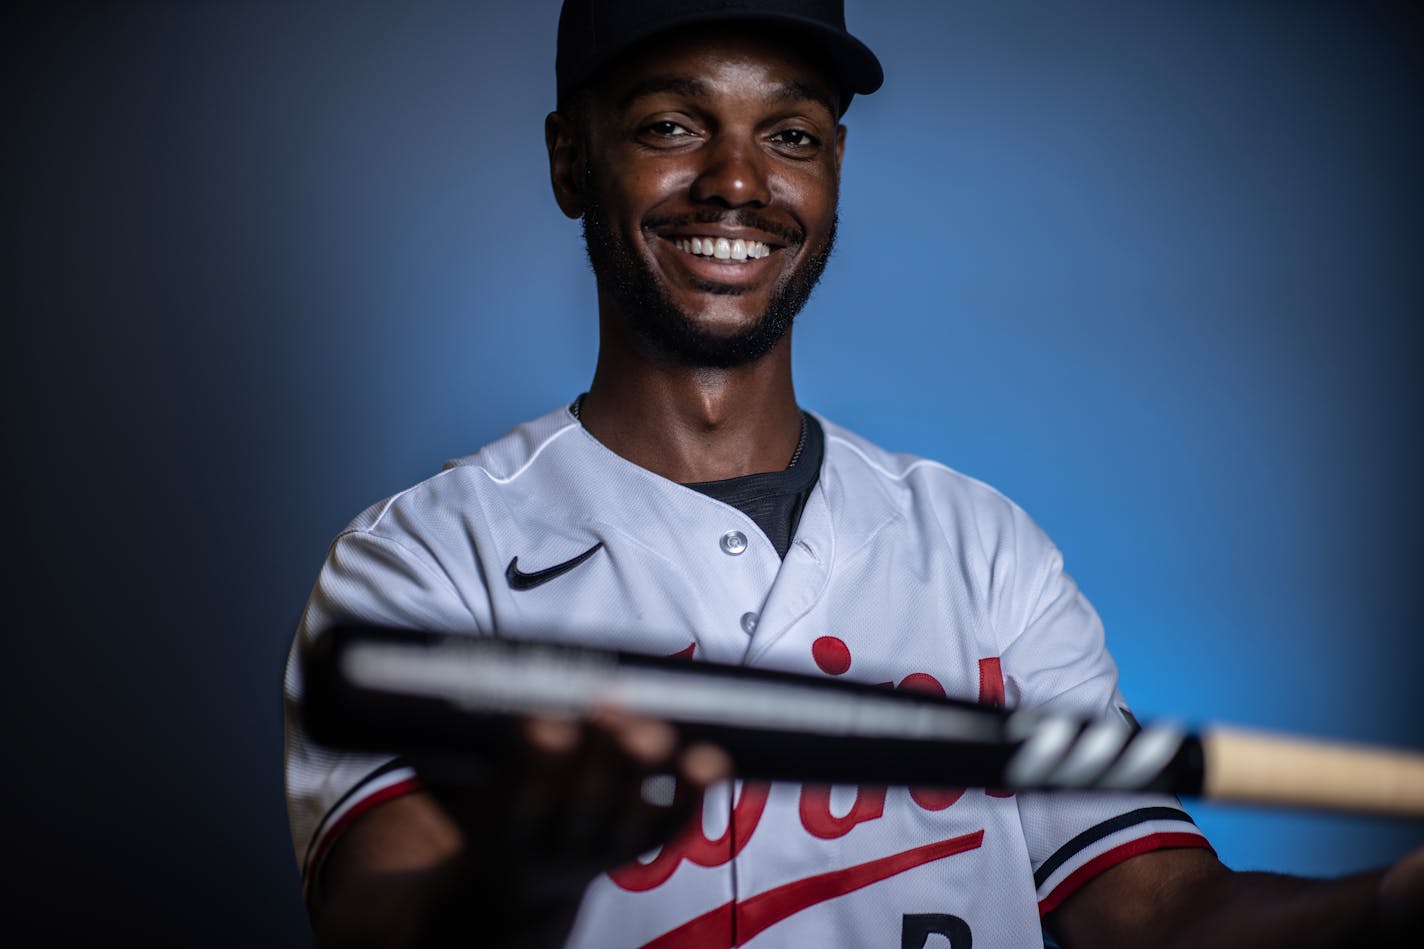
(593, 33)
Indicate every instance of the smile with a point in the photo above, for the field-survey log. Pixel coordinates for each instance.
(721, 248)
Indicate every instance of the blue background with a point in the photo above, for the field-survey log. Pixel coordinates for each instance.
(1153, 270)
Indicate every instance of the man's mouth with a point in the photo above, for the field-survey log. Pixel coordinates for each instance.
(720, 248)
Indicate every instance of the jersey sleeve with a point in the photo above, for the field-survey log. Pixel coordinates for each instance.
(366, 578)
(1057, 658)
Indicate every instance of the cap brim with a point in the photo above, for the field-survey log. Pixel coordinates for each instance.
(858, 71)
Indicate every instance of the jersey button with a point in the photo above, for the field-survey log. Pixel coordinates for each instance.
(749, 621)
(734, 542)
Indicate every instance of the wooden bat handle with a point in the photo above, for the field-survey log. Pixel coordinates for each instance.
(1265, 768)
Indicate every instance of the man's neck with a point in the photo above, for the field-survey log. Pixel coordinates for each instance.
(692, 424)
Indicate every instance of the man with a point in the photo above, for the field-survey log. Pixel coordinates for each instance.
(686, 505)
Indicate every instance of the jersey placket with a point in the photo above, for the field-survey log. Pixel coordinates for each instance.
(749, 567)
(800, 580)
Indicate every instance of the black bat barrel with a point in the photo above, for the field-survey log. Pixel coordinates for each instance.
(426, 694)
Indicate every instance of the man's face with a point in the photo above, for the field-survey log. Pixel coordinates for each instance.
(709, 195)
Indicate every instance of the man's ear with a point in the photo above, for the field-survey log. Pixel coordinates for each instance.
(840, 148)
(566, 163)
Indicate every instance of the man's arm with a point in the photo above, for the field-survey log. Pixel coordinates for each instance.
(1187, 898)
(402, 876)
(388, 874)
(507, 862)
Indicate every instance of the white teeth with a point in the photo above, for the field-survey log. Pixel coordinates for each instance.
(723, 249)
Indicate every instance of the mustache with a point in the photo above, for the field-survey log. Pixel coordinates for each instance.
(788, 234)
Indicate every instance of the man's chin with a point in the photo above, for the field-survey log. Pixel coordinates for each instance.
(723, 317)
(716, 343)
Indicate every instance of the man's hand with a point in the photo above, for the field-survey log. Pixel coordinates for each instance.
(1401, 898)
(574, 805)
(508, 854)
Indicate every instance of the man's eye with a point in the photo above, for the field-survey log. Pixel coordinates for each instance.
(667, 129)
(797, 138)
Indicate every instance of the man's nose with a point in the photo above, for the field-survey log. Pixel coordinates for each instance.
(733, 175)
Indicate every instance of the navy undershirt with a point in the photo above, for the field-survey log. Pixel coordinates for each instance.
(775, 499)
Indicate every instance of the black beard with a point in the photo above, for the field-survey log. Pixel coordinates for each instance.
(673, 333)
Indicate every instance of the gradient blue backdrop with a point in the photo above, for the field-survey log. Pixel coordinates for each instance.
(1151, 269)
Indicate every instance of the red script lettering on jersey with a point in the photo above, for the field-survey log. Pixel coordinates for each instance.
(692, 843)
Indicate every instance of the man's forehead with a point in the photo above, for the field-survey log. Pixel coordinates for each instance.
(699, 65)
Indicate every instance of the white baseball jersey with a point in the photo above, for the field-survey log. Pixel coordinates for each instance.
(902, 572)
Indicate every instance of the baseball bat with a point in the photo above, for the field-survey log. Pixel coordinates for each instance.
(421, 693)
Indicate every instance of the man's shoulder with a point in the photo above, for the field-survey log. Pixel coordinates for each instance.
(862, 464)
(516, 451)
(460, 483)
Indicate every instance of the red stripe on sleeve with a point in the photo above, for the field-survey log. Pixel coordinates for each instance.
(1112, 858)
(338, 827)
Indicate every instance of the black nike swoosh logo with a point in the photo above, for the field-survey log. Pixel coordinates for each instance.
(519, 580)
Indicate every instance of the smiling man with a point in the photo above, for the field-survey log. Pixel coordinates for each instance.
(687, 505)
(710, 265)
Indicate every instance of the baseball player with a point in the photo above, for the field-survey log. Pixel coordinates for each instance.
(686, 505)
